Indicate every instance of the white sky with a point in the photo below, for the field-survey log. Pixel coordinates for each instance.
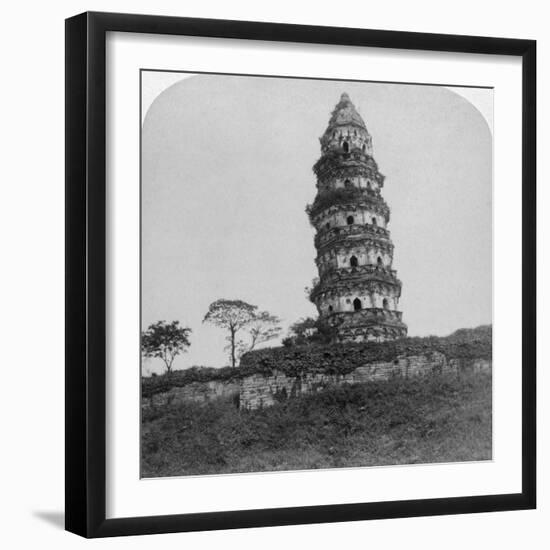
(154, 83)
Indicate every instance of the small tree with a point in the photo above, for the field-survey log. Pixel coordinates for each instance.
(232, 315)
(262, 328)
(307, 332)
(303, 329)
(165, 341)
(235, 315)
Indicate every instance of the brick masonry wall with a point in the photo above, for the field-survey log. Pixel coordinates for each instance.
(264, 390)
(199, 392)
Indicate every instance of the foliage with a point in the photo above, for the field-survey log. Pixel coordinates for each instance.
(165, 341)
(235, 315)
(232, 315)
(262, 328)
(337, 358)
(151, 385)
(307, 332)
(344, 358)
(422, 420)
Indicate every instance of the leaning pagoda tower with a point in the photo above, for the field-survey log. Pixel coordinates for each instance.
(357, 292)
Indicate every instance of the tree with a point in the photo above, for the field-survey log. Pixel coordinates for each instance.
(232, 315)
(262, 328)
(236, 315)
(301, 331)
(165, 341)
(307, 332)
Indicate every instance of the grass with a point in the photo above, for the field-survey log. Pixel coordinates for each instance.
(420, 420)
(464, 344)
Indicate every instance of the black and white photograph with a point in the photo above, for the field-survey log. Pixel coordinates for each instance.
(316, 274)
(274, 275)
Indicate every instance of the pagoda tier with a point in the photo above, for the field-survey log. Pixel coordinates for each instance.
(357, 292)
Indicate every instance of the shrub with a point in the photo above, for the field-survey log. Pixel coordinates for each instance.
(344, 358)
(466, 344)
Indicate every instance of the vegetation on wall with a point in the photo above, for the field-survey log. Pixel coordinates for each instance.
(344, 358)
(294, 360)
(150, 385)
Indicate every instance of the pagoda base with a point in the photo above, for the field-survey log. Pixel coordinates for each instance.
(368, 325)
(369, 334)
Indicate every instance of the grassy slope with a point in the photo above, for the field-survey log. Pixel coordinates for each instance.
(422, 420)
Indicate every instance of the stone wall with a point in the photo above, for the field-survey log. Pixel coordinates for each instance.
(199, 392)
(264, 390)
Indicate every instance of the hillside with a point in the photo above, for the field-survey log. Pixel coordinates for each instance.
(423, 420)
(475, 343)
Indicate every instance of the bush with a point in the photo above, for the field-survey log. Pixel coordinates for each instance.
(344, 358)
(151, 385)
(332, 359)
(164, 382)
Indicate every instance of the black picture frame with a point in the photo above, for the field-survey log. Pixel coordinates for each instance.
(86, 273)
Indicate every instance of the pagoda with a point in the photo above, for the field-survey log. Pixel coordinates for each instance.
(357, 292)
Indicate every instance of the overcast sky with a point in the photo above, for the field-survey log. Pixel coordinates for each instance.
(226, 176)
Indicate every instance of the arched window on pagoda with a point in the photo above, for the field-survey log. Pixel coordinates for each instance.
(330, 308)
(347, 183)
(364, 148)
(353, 261)
(385, 304)
(356, 304)
(350, 220)
(346, 147)
(374, 222)
(379, 261)
(327, 225)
